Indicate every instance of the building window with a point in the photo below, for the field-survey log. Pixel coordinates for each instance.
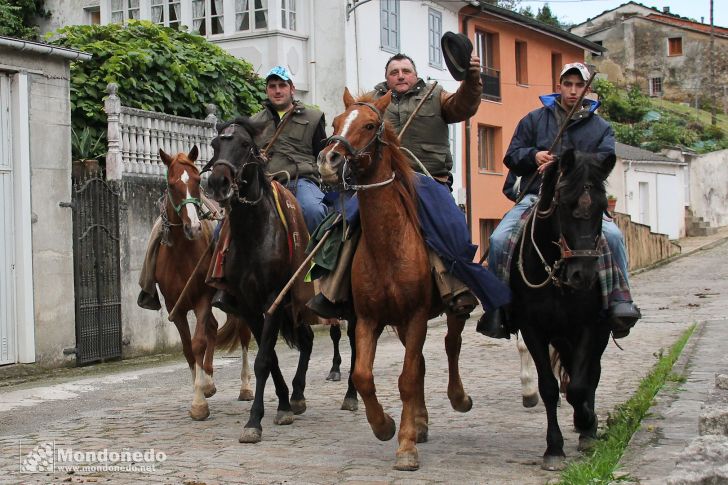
(674, 46)
(486, 148)
(207, 17)
(92, 15)
(288, 14)
(251, 14)
(521, 63)
(166, 12)
(600, 44)
(434, 30)
(389, 25)
(486, 47)
(656, 86)
(123, 10)
(487, 226)
(556, 65)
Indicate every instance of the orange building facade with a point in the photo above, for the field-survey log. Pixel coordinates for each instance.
(521, 60)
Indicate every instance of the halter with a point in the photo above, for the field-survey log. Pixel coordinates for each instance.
(354, 155)
(565, 251)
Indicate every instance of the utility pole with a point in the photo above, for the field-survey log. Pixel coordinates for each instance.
(713, 120)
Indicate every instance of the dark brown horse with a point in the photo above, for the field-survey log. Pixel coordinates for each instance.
(391, 277)
(185, 243)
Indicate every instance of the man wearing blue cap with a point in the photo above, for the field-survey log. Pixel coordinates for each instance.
(292, 158)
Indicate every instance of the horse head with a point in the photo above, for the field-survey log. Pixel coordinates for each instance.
(236, 164)
(359, 133)
(183, 190)
(578, 201)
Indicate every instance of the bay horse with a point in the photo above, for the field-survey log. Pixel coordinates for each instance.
(185, 241)
(556, 294)
(390, 276)
(262, 256)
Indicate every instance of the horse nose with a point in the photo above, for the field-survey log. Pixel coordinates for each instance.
(329, 165)
(193, 231)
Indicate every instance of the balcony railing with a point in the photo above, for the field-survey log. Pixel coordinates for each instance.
(491, 83)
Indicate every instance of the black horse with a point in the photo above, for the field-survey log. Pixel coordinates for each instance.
(261, 257)
(556, 296)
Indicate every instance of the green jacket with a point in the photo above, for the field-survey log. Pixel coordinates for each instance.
(427, 136)
(293, 150)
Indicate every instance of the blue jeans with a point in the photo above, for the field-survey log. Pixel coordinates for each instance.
(310, 198)
(500, 236)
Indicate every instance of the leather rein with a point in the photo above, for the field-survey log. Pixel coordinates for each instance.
(253, 154)
(354, 155)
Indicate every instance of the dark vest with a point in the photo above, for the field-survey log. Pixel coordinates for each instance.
(293, 149)
(427, 136)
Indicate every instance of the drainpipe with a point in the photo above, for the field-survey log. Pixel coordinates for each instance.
(39, 48)
(468, 182)
(312, 55)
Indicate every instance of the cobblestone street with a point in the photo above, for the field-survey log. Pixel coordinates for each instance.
(497, 442)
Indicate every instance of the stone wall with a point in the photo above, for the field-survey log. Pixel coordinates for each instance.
(709, 187)
(645, 248)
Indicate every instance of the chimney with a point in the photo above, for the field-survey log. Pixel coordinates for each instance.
(665, 9)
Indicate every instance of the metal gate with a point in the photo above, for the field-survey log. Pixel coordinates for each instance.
(96, 264)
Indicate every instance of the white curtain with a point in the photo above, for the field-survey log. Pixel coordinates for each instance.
(217, 27)
(198, 14)
(177, 11)
(157, 9)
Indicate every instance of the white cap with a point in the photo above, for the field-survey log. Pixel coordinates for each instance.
(583, 70)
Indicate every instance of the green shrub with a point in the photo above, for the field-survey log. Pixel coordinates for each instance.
(629, 134)
(711, 132)
(603, 88)
(157, 69)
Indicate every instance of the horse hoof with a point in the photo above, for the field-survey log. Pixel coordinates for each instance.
(298, 406)
(530, 401)
(463, 406)
(422, 434)
(553, 463)
(350, 404)
(334, 376)
(407, 461)
(386, 431)
(210, 391)
(586, 443)
(246, 395)
(250, 435)
(283, 418)
(199, 412)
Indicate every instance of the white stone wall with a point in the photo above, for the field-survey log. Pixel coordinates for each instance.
(709, 187)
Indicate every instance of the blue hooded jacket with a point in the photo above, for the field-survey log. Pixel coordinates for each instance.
(587, 132)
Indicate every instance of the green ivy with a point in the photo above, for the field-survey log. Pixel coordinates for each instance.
(157, 69)
(18, 18)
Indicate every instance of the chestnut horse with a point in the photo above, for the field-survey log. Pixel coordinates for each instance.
(185, 241)
(391, 277)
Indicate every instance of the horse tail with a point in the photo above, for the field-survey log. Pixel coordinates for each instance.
(228, 337)
(558, 369)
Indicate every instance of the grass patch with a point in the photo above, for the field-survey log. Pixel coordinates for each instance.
(600, 465)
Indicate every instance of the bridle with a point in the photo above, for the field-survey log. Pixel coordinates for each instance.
(354, 155)
(252, 156)
(565, 251)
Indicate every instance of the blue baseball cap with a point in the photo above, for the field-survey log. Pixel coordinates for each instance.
(281, 72)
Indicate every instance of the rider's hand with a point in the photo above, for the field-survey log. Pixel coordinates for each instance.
(544, 157)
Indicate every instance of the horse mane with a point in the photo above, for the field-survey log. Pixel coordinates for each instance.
(400, 165)
(586, 167)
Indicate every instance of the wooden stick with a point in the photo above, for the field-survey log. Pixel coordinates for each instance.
(286, 116)
(414, 113)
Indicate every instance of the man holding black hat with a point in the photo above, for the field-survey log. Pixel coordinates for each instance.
(535, 133)
(292, 158)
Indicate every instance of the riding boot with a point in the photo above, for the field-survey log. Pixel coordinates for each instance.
(623, 315)
(325, 308)
(493, 324)
(225, 302)
(463, 304)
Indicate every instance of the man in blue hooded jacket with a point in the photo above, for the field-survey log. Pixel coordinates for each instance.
(529, 149)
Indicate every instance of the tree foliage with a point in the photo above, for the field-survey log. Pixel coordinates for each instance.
(543, 14)
(157, 69)
(18, 18)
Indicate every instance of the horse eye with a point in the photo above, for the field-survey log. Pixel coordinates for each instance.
(370, 126)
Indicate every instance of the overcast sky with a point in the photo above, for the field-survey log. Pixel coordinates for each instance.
(577, 11)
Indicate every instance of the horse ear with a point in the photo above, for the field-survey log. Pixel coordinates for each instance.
(165, 158)
(348, 98)
(193, 154)
(609, 162)
(566, 161)
(383, 102)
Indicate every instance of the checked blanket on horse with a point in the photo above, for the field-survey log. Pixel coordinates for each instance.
(613, 284)
(446, 233)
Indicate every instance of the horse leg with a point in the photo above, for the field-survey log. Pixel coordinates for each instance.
(411, 392)
(211, 338)
(529, 389)
(203, 382)
(246, 392)
(335, 372)
(367, 334)
(459, 400)
(351, 403)
(183, 327)
(422, 419)
(305, 346)
(548, 387)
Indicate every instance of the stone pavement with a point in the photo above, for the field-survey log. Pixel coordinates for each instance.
(497, 442)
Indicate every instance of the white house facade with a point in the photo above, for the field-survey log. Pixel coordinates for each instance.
(326, 44)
